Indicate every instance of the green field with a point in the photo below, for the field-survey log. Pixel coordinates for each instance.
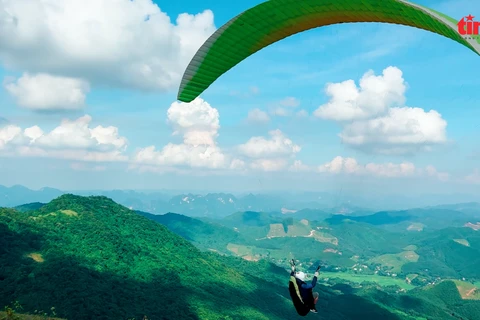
(240, 250)
(359, 278)
(396, 261)
(468, 290)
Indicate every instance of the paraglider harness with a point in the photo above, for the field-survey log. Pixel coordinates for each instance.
(302, 307)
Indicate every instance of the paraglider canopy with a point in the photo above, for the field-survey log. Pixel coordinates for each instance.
(271, 21)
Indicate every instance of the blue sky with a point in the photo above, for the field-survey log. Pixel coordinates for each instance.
(259, 127)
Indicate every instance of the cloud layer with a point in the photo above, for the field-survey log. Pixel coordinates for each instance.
(45, 92)
(124, 44)
(73, 140)
(374, 118)
(198, 125)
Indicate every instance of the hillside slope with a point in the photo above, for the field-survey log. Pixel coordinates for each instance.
(91, 258)
(204, 235)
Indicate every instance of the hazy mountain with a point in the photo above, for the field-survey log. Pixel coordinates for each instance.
(219, 205)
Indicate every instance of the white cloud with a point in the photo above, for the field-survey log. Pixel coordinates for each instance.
(299, 166)
(121, 43)
(277, 145)
(284, 107)
(272, 154)
(375, 95)
(401, 131)
(269, 164)
(391, 170)
(198, 122)
(182, 155)
(46, 92)
(341, 165)
(374, 118)
(74, 140)
(258, 116)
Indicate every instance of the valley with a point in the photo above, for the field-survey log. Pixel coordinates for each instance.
(114, 262)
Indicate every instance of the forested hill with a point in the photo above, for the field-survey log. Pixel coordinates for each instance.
(204, 235)
(91, 258)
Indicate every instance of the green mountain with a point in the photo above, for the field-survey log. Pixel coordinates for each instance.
(379, 218)
(412, 219)
(29, 206)
(204, 235)
(91, 258)
(450, 252)
(310, 214)
(345, 241)
(333, 241)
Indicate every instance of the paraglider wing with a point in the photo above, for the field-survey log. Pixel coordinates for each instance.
(271, 21)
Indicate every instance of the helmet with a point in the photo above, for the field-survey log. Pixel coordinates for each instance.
(300, 275)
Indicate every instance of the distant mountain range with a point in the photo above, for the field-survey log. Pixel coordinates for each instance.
(218, 205)
(208, 205)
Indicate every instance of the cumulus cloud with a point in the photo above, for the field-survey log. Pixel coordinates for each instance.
(198, 122)
(401, 131)
(46, 92)
(341, 165)
(74, 140)
(119, 43)
(374, 118)
(269, 154)
(261, 147)
(373, 98)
